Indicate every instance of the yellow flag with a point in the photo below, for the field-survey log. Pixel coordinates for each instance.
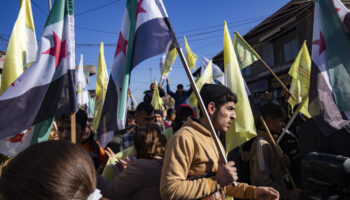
(244, 52)
(169, 61)
(190, 56)
(22, 47)
(300, 72)
(206, 77)
(157, 102)
(101, 87)
(243, 128)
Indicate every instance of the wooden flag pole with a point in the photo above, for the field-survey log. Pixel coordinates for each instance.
(196, 92)
(275, 76)
(279, 151)
(267, 67)
(73, 128)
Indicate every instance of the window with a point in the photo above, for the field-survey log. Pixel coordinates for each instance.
(285, 47)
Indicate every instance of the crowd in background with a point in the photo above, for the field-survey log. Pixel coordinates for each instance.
(137, 154)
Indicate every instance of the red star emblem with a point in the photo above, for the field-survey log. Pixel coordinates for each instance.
(140, 9)
(58, 51)
(321, 43)
(17, 138)
(121, 46)
(337, 9)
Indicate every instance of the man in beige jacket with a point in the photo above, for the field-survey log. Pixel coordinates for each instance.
(191, 168)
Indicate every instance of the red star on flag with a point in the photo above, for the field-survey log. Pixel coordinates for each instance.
(321, 43)
(337, 9)
(140, 9)
(121, 46)
(58, 51)
(17, 138)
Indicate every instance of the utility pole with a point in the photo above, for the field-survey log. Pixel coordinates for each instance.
(150, 70)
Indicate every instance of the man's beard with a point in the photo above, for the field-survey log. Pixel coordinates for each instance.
(159, 124)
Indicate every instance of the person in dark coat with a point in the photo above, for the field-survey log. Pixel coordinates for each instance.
(149, 93)
(180, 95)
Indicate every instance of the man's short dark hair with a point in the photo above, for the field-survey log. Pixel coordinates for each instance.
(273, 110)
(144, 107)
(158, 112)
(218, 94)
(180, 86)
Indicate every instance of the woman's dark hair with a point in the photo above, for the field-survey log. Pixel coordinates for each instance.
(49, 170)
(149, 142)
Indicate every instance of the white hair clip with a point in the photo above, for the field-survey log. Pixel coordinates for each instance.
(96, 195)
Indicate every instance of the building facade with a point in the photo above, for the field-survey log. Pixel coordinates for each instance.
(278, 40)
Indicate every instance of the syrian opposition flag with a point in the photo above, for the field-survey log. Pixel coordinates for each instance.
(144, 34)
(326, 80)
(46, 89)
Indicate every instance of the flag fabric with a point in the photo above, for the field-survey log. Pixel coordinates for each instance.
(22, 47)
(101, 87)
(190, 56)
(300, 73)
(242, 128)
(244, 52)
(157, 102)
(162, 62)
(206, 77)
(217, 74)
(82, 92)
(144, 34)
(11, 146)
(42, 131)
(337, 44)
(91, 106)
(46, 89)
(322, 106)
(39, 133)
(169, 60)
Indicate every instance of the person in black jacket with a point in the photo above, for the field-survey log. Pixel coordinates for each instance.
(149, 93)
(180, 95)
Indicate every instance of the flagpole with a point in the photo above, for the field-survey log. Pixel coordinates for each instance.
(267, 67)
(73, 117)
(279, 151)
(196, 92)
(291, 120)
(50, 5)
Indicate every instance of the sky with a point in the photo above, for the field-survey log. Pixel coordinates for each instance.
(201, 21)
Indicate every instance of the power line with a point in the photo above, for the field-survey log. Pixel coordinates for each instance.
(216, 26)
(97, 8)
(38, 7)
(194, 35)
(95, 30)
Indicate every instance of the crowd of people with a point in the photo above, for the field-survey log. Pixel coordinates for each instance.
(161, 154)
